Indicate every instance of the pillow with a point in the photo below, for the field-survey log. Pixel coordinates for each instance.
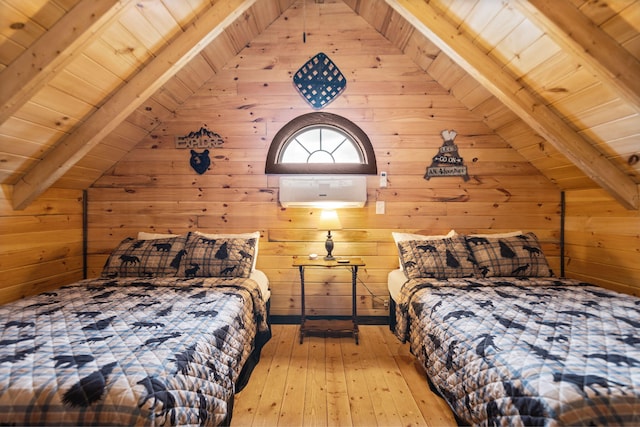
(145, 258)
(219, 257)
(399, 237)
(253, 235)
(515, 256)
(496, 235)
(437, 258)
(150, 236)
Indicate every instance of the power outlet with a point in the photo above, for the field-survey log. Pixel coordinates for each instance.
(379, 207)
(379, 303)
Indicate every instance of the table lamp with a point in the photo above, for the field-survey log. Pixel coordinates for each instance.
(329, 221)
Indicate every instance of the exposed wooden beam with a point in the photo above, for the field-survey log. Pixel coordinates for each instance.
(575, 33)
(40, 63)
(433, 25)
(129, 97)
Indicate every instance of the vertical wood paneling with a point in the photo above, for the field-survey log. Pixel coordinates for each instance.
(402, 109)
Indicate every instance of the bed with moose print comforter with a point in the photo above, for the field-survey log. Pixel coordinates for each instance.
(130, 351)
(526, 351)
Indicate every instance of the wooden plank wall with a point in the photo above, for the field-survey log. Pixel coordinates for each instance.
(402, 109)
(41, 246)
(603, 241)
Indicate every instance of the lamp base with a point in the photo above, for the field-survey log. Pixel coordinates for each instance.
(328, 245)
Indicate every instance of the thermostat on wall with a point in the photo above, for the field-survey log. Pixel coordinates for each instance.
(383, 179)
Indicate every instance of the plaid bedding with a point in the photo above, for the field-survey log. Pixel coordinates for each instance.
(526, 351)
(132, 351)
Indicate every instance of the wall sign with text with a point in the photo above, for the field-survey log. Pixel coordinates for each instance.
(203, 138)
(447, 162)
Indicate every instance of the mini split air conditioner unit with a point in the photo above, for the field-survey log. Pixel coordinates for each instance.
(323, 191)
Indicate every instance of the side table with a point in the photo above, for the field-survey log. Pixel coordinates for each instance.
(308, 325)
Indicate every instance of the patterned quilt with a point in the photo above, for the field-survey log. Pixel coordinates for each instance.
(164, 351)
(518, 351)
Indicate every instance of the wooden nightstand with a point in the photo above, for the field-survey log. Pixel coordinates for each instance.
(309, 325)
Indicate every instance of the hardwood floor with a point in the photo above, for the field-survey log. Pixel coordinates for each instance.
(331, 381)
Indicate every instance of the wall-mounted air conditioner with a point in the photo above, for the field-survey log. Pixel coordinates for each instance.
(323, 191)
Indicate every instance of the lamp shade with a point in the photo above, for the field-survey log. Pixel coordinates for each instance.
(329, 220)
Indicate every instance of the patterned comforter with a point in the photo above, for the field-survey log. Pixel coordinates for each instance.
(517, 351)
(164, 351)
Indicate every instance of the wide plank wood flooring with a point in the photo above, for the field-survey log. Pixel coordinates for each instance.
(331, 381)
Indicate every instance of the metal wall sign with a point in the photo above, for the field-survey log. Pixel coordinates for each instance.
(447, 162)
(200, 162)
(203, 138)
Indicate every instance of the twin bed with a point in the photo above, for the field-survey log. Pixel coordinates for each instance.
(166, 336)
(506, 343)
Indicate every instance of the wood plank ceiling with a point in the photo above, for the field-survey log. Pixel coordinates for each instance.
(81, 82)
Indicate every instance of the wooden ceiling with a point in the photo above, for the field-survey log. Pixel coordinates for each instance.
(82, 81)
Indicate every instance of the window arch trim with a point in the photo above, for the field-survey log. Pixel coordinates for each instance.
(311, 120)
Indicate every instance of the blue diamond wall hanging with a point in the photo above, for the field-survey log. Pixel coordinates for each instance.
(319, 81)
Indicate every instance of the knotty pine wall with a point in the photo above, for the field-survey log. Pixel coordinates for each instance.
(402, 109)
(602, 241)
(40, 246)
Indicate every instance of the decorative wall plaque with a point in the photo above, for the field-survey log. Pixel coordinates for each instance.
(447, 162)
(200, 162)
(203, 138)
(319, 81)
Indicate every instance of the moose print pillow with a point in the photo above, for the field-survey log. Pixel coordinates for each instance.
(146, 258)
(438, 258)
(253, 235)
(514, 256)
(218, 257)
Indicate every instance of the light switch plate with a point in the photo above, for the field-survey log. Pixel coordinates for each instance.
(380, 208)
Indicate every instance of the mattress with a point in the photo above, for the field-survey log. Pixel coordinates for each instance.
(130, 351)
(395, 280)
(263, 283)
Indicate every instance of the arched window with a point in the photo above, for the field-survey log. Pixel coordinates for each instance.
(321, 143)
